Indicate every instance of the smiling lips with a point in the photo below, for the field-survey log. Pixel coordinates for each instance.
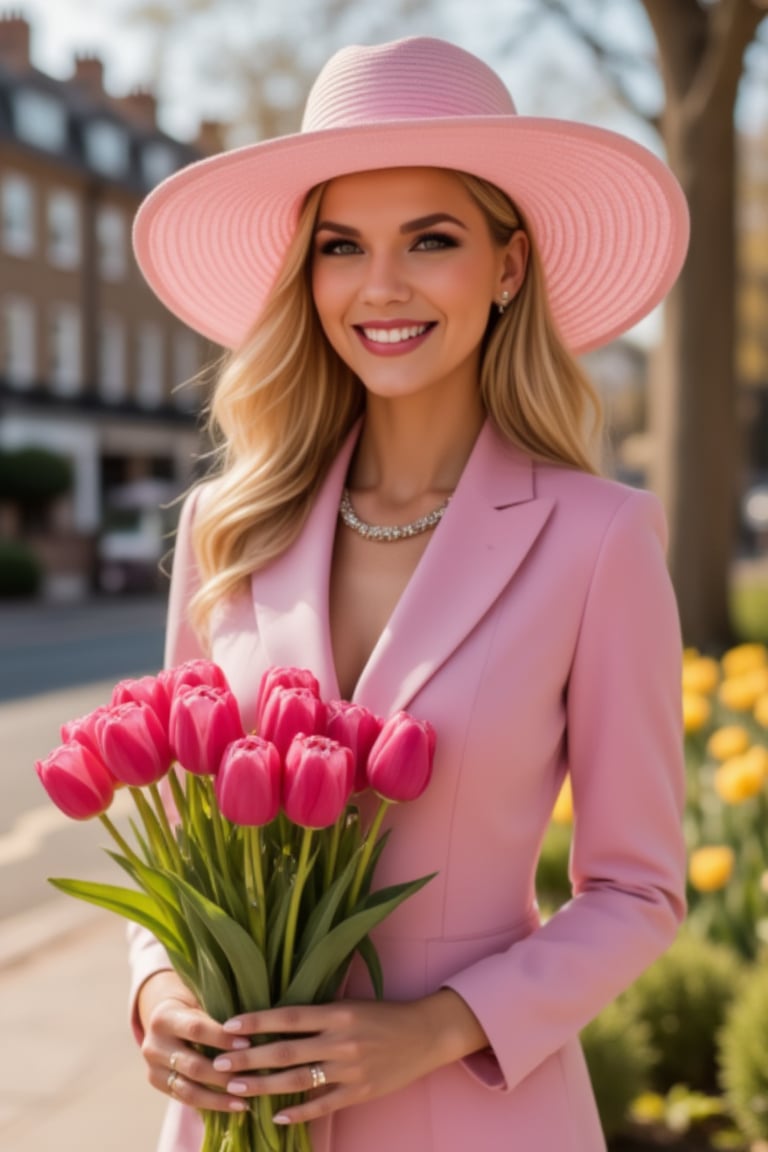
(396, 336)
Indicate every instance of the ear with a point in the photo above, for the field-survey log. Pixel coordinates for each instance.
(514, 263)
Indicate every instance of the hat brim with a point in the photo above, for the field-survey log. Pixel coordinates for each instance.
(609, 218)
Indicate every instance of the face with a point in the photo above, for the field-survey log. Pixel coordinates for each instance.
(404, 275)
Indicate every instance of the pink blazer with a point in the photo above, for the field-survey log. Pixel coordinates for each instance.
(539, 634)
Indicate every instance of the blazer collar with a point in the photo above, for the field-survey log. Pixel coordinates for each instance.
(490, 525)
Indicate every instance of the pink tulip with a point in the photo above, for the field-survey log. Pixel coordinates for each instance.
(289, 712)
(134, 744)
(248, 782)
(283, 678)
(356, 728)
(204, 721)
(317, 782)
(76, 781)
(151, 690)
(85, 730)
(400, 763)
(193, 674)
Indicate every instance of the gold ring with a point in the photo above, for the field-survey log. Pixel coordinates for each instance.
(174, 1058)
(318, 1076)
(171, 1081)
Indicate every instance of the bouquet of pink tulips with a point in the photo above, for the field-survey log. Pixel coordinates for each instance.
(250, 862)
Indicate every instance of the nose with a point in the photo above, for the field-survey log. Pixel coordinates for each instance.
(384, 282)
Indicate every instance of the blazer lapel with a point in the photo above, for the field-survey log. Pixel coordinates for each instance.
(490, 525)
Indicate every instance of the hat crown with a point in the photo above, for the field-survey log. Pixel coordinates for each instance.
(418, 78)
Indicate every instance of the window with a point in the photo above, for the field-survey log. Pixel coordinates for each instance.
(64, 355)
(64, 234)
(158, 161)
(40, 119)
(111, 243)
(17, 194)
(107, 147)
(149, 388)
(186, 365)
(17, 341)
(112, 376)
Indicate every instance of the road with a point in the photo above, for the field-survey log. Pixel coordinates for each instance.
(55, 664)
(49, 646)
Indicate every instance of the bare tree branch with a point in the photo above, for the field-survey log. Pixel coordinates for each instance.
(614, 62)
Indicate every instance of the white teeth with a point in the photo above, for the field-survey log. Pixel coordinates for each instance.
(394, 335)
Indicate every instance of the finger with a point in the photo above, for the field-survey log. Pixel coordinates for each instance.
(303, 1018)
(303, 1079)
(320, 1105)
(284, 1052)
(174, 1021)
(195, 1095)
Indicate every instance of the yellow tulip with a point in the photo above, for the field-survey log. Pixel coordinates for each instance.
(757, 758)
(710, 868)
(701, 675)
(562, 813)
(690, 654)
(696, 711)
(727, 742)
(744, 658)
(741, 693)
(761, 710)
(739, 779)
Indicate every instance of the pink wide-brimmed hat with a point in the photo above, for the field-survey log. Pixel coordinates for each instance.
(609, 218)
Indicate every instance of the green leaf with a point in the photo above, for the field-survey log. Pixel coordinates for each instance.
(241, 951)
(370, 957)
(335, 948)
(320, 920)
(215, 992)
(126, 902)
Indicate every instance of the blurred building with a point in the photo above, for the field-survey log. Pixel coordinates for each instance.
(91, 365)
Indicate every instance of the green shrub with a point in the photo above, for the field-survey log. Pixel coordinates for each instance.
(619, 1057)
(684, 998)
(743, 1056)
(553, 887)
(21, 573)
(32, 477)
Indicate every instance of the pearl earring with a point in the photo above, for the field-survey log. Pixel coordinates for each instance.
(505, 298)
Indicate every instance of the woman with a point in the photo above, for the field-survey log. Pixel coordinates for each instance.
(407, 506)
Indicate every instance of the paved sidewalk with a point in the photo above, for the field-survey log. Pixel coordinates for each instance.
(71, 1079)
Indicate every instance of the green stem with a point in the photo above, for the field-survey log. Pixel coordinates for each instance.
(119, 839)
(253, 853)
(293, 910)
(333, 853)
(155, 834)
(365, 856)
(165, 825)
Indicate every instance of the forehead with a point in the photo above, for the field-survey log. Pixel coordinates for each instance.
(411, 191)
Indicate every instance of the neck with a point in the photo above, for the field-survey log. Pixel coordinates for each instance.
(409, 448)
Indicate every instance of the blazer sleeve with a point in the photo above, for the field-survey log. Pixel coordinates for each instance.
(625, 757)
(145, 954)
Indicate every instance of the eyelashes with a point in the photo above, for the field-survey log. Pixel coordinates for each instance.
(426, 242)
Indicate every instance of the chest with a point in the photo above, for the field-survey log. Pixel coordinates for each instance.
(367, 580)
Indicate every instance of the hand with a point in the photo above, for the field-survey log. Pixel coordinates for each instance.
(174, 1026)
(363, 1049)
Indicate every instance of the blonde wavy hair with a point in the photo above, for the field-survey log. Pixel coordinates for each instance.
(284, 403)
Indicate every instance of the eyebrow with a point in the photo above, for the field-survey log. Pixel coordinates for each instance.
(405, 229)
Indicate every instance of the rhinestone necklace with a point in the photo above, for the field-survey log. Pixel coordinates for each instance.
(387, 533)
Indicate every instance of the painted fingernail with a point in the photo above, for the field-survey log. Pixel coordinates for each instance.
(233, 1026)
(237, 1086)
(221, 1064)
(237, 1105)
(240, 1043)
(281, 1118)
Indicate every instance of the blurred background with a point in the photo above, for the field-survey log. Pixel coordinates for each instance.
(102, 391)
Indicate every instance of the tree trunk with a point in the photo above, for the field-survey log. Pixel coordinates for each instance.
(693, 390)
